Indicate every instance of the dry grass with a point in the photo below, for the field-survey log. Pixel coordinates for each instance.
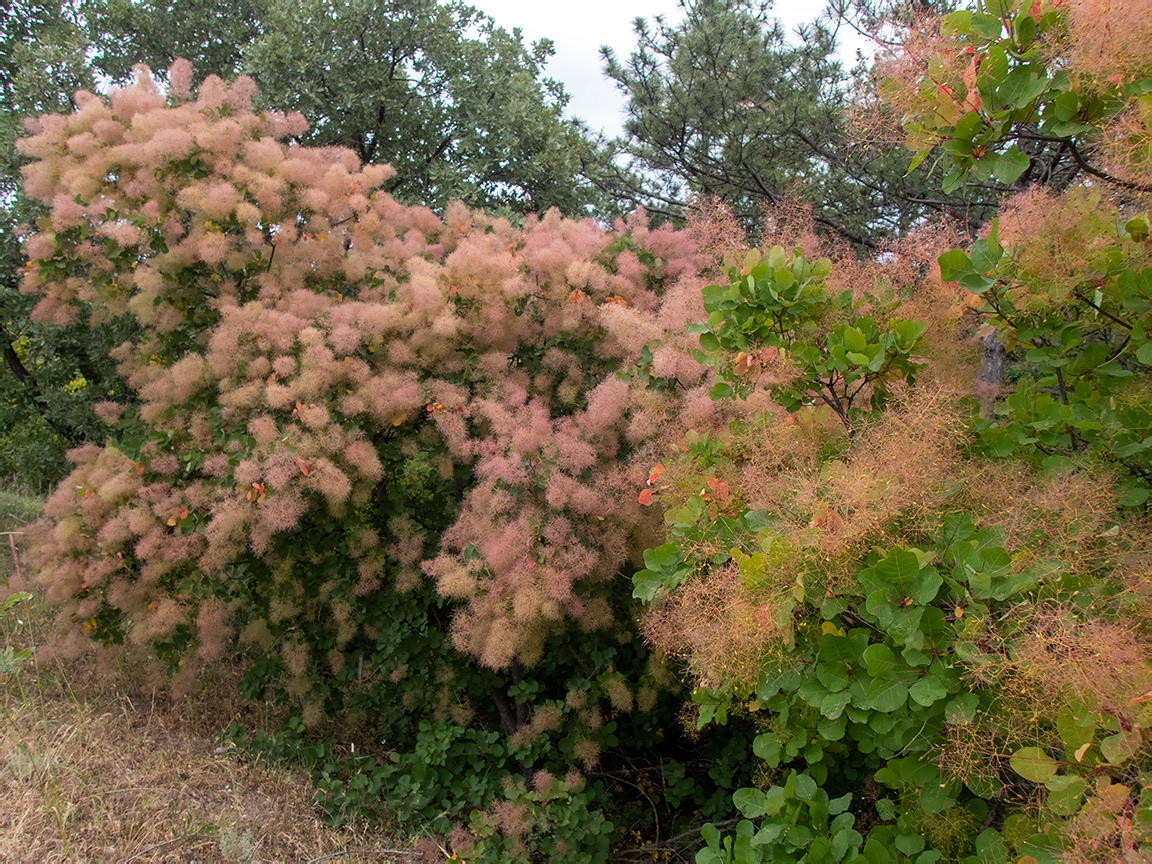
(95, 767)
(107, 779)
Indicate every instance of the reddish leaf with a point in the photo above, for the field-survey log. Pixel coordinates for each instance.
(719, 488)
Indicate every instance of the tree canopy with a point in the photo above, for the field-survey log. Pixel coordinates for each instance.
(458, 106)
(723, 104)
(50, 376)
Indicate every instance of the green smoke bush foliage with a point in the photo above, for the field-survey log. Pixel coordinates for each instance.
(387, 459)
(948, 649)
(941, 619)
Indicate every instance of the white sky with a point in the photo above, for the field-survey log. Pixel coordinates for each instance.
(579, 28)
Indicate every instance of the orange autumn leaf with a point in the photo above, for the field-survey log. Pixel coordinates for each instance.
(657, 470)
(970, 73)
(719, 488)
(303, 468)
(645, 496)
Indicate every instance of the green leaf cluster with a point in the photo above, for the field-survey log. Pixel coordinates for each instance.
(1000, 109)
(777, 312)
(891, 730)
(1082, 340)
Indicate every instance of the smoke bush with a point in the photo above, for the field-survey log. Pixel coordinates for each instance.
(348, 414)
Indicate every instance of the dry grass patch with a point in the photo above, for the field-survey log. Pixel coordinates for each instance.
(109, 776)
(96, 766)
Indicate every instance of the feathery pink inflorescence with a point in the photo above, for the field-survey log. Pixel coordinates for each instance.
(348, 347)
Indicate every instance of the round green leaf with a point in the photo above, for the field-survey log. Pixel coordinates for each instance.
(1065, 793)
(805, 787)
(833, 675)
(927, 690)
(767, 747)
(720, 390)
(909, 844)
(1033, 764)
(962, 709)
(750, 802)
(887, 696)
(879, 658)
(953, 265)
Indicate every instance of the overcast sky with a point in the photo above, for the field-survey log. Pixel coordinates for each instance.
(579, 28)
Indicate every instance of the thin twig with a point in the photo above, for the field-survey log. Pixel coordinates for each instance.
(154, 847)
(636, 786)
(344, 852)
(15, 557)
(1096, 172)
(673, 845)
(1113, 318)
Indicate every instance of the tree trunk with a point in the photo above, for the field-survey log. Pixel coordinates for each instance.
(991, 377)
